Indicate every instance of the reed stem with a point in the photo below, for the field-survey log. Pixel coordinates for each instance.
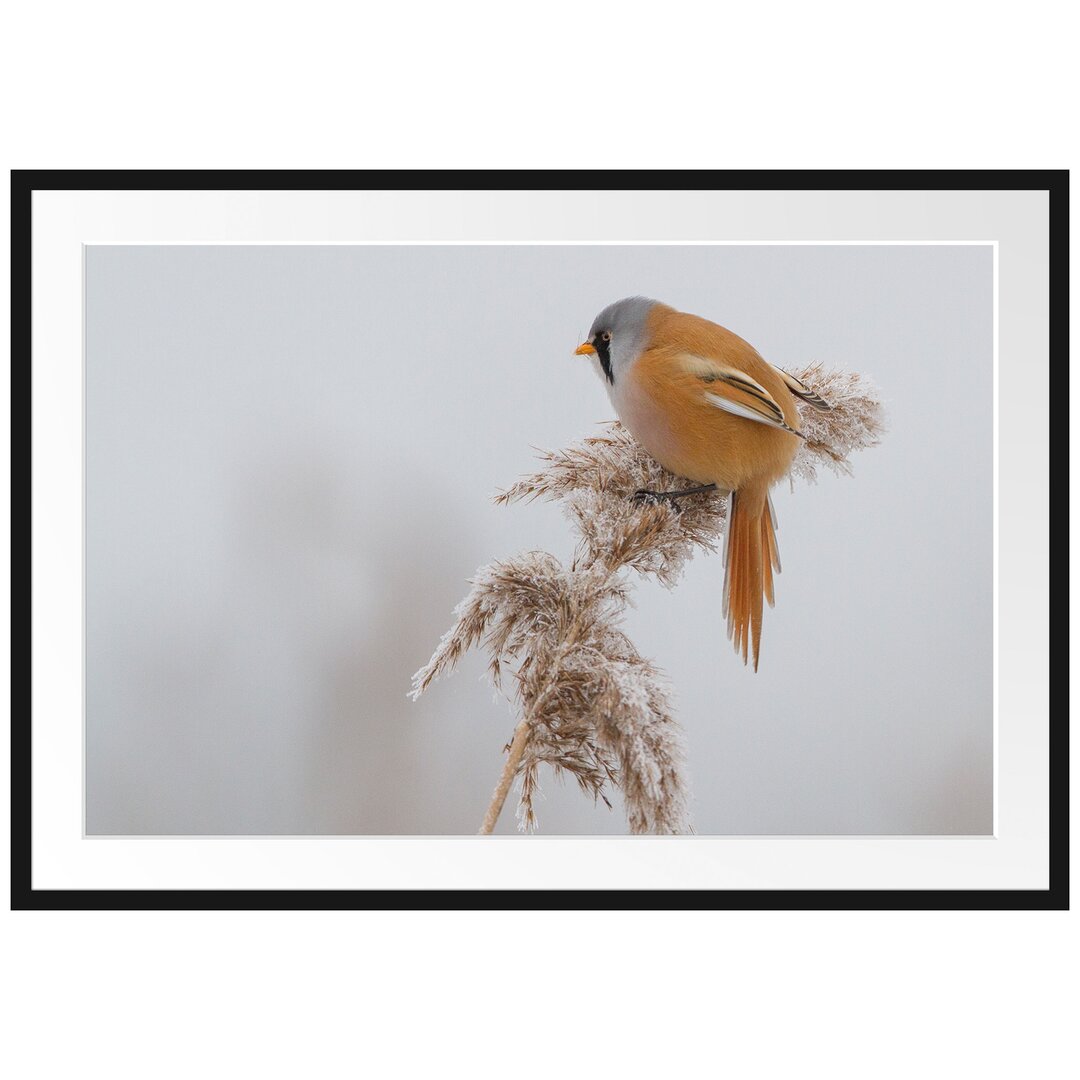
(513, 760)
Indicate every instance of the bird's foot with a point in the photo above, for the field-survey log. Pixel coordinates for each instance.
(642, 497)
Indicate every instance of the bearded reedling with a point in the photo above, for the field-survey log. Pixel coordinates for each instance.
(707, 406)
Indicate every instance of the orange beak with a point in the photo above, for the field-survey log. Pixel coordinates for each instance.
(585, 349)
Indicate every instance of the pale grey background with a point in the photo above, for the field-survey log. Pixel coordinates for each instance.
(289, 453)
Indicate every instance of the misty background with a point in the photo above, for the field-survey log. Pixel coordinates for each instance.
(290, 453)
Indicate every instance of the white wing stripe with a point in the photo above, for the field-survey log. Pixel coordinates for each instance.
(736, 409)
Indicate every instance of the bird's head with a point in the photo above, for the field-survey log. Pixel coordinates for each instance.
(618, 336)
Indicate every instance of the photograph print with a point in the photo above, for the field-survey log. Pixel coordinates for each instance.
(539, 539)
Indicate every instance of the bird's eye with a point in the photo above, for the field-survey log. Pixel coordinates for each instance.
(606, 335)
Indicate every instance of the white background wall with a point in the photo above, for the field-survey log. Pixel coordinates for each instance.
(290, 453)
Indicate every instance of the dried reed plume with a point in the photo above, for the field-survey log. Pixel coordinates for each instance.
(591, 706)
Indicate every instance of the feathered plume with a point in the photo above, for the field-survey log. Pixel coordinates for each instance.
(591, 706)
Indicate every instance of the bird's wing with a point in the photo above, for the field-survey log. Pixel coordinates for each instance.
(728, 388)
(801, 390)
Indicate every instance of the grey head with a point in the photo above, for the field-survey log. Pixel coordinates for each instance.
(618, 334)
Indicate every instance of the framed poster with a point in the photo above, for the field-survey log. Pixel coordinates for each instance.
(258, 421)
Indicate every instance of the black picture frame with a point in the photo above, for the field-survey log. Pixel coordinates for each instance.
(23, 185)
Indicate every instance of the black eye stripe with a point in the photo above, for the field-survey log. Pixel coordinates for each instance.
(603, 352)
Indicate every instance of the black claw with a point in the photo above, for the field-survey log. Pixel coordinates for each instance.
(642, 497)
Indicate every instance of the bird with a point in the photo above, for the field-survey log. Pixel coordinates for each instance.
(708, 407)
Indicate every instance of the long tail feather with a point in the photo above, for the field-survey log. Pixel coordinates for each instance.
(751, 559)
(766, 561)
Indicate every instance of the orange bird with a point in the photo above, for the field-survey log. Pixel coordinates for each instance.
(704, 403)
